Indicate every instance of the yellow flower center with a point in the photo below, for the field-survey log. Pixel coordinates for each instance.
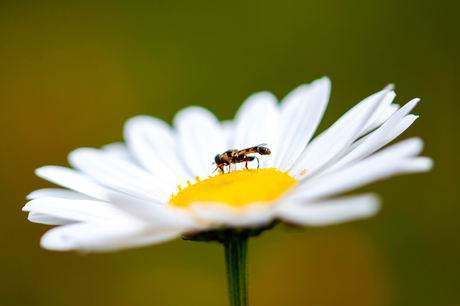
(236, 188)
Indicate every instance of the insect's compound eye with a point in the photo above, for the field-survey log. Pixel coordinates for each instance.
(218, 159)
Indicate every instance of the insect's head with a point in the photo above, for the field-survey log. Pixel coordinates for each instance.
(218, 162)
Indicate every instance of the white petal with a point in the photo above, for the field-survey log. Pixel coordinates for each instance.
(76, 210)
(37, 217)
(380, 111)
(228, 128)
(165, 216)
(222, 215)
(381, 165)
(391, 129)
(152, 142)
(201, 138)
(150, 212)
(119, 149)
(58, 193)
(397, 130)
(391, 109)
(417, 164)
(79, 182)
(302, 111)
(256, 122)
(328, 146)
(330, 212)
(104, 237)
(120, 175)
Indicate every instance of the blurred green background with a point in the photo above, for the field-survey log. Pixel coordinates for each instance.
(71, 73)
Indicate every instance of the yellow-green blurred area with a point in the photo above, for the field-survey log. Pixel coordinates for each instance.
(71, 73)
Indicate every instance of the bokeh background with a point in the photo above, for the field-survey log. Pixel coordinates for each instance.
(71, 73)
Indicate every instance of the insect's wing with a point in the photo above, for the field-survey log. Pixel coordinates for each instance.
(251, 149)
(262, 145)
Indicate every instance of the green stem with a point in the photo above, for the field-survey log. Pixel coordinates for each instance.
(235, 260)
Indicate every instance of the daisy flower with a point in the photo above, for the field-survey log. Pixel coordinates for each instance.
(159, 184)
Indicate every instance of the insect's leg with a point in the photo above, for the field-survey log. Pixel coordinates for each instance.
(258, 163)
(248, 159)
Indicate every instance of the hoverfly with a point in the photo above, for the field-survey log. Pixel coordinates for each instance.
(234, 156)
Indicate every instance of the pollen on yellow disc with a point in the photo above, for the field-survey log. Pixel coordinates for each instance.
(236, 188)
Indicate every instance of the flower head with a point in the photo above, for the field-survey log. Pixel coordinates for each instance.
(159, 185)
